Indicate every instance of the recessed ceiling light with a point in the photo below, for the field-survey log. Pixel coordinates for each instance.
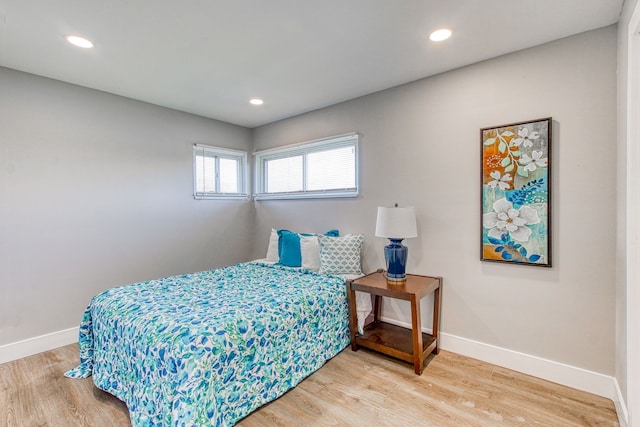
(440, 35)
(256, 101)
(79, 41)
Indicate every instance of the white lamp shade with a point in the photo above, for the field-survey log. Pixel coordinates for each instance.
(396, 223)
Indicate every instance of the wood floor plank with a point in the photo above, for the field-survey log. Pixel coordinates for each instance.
(359, 389)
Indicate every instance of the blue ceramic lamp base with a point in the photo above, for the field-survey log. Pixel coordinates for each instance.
(395, 254)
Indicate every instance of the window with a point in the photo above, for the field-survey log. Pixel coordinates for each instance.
(317, 169)
(219, 173)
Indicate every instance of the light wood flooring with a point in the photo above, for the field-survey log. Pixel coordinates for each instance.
(353, 389)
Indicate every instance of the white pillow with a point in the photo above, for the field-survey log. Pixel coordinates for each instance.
(310, 250)
(272, 250)
(341, 255)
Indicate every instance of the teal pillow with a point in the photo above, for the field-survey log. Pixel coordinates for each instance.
(289, 246)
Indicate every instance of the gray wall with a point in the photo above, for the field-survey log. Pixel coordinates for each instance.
(96, 191)
(420, 146)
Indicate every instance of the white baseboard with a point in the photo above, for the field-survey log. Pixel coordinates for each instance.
(560, 373)
(621, 408)
(35, 345)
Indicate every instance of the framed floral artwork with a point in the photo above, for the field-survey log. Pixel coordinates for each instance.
(516, 193)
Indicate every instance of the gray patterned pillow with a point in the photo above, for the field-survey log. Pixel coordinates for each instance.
(340, 255)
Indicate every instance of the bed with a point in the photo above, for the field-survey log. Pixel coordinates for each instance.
(208, 348)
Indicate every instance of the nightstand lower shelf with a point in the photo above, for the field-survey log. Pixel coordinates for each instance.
(394, 341)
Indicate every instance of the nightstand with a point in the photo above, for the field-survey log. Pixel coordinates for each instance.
(410, 345)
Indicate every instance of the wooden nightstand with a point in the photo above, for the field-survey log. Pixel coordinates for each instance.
(410, 345)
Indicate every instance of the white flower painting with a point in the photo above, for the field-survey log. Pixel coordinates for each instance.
(501, 182)
(535, 161)
(505, 219)
(525, 137)
(515, 193)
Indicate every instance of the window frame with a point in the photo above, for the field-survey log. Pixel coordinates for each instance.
(222, 153)
(305, 148)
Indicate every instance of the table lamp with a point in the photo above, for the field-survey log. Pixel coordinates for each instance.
(396, 224)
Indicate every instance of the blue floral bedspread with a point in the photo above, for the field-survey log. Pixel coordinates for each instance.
(206, 349)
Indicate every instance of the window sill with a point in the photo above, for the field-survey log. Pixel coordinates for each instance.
(293, 196)
(223, 197)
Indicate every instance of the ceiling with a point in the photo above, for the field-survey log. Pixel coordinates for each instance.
(209, 57)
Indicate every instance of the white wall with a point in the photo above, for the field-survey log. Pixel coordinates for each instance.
(96, 191)
(626, 374)
(420, 146)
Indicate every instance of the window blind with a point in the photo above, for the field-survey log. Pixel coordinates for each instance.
(219, 172)
(318, 169)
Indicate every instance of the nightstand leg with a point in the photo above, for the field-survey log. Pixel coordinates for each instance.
(436, 318)
(416, 327)
(377, 307)
(353, 316)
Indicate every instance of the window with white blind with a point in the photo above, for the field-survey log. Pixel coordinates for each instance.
(219, 173)
(317, 169)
